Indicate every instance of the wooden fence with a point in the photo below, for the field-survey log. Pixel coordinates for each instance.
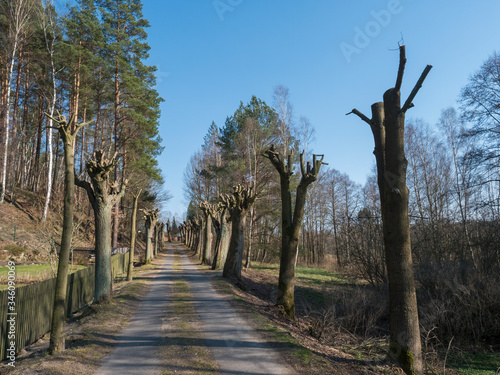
(34, 303)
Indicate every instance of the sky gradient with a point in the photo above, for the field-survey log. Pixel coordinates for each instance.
(332, 55)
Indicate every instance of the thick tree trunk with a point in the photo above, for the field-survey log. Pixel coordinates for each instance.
(225, 237)
(286, 280)
(133, 233)
(240, 203)
(405, 346)
(102, 196)
(199, 239)
(151, 217)
(103, 282)
(232, 266)
(149, 244)
(207, 248)
(388, 126)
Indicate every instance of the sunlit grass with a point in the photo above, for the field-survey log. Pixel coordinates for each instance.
(26, 274)
(482, 363)
(314, 275)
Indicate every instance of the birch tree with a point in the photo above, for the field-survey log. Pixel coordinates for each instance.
(19, 14)
(49, 31)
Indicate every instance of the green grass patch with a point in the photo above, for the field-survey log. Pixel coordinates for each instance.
(313, 275)
(480, 363)
(177, 262)
(26, 274)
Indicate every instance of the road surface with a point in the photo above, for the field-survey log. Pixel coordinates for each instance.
(235, 345)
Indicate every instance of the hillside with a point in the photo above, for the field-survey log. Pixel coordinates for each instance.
(25, 239)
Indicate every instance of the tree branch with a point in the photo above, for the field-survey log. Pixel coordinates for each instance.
(401, 70)
(88, 187)
(408, 104)
(361, 116)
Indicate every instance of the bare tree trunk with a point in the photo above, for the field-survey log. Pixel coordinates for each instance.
(49, 134)
(103, 278)
(291, 223)
(208, 213)
(133, 233)
(225, 233)
(57, 342)
(387, 126)
(250, 237)
(241, 202)
(102, 195)
(151, 217)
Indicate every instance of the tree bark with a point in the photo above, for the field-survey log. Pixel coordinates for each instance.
(103, 280)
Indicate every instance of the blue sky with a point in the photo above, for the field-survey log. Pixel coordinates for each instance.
(332, 55)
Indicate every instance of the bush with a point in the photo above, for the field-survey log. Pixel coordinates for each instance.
(359, 310)
(15, 250)
(463, 308)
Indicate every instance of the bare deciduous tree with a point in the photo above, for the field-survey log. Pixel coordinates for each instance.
(103, 195)
(388, 125)
(68, 131)
(291, 221)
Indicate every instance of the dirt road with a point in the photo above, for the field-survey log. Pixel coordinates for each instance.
(236, 347)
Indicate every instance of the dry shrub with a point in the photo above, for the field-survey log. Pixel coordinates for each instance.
(359, 310)
(460, 305)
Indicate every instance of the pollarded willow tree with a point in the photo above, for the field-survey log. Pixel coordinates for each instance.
(291, 221)
(150, 217)
(223, 232)
(208, 211)
(169, 231)
(388, 128)
(68, 131)
(241, 202)
(103, 195)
